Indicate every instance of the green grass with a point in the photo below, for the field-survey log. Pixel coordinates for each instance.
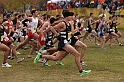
(106, 65)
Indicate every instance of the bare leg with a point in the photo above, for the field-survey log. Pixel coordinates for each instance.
(74, 52)
(56, 56)
(103, 41)
(83, 47)
(14, 50)
(6, 50)
(23, 43)
(119, 34)
(85, 35)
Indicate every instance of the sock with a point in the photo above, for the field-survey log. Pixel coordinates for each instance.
(80, 71)
(4, 62)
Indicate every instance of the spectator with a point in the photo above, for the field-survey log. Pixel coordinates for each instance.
(107, 9)
(113, 10)
(80, 4)
(117, 12)
(76, 4)
(99, 6)
(69, 7)
(92, 4)
(62, 3)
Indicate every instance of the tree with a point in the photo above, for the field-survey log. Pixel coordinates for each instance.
(16, 4)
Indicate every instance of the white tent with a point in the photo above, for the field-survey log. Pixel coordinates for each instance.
(55, 1)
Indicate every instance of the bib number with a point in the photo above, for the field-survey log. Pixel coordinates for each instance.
(69, 35)
(2, 37)
(34, 29)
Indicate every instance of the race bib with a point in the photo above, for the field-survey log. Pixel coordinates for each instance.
(2, 37)
(25, 29)
(69, 35)
(10, 30)
(35, 29)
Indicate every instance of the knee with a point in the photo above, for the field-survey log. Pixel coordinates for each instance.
(8, 49)
(77, 54)
(85, 47)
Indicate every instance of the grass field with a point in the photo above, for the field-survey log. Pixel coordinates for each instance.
(106, 65)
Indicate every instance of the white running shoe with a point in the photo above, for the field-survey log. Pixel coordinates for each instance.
(20, 60)
(97, 44)
(40, 61)
(6, 65)
(43, 51)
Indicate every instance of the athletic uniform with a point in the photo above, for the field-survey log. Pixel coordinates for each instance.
(89, 27)
(73, 40)
(6, 39)
(76, 25)
(49, 42)
(97, 25)
(63, 37)
(25, 24)
(113, 28)
(33, 27)
(18, 31)
(1, 35)
(102, 30)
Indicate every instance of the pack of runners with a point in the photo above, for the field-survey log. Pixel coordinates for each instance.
(57, 36)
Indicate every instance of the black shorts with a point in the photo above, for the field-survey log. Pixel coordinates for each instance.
(24, 32)
(77, 33)
(49, 43)
(89, 29)
(61, 44)
(96, 30)
(73, 40)
(116, 31)
(110, 32)
(11, 34)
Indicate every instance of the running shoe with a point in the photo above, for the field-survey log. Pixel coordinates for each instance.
(6, 65)
(97, 44)
(59, 63)
(9, 57)
(20, 60)
(18, 53)
(120, 44)
(46, 64)
(85, 72)
(40, 61)
(37, 58)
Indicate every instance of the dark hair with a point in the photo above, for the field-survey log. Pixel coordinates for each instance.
(82, 16)
(48, 16)
(19, 16)
(23, 15)
(4, 14)
(16, 14)
(91, 14)
(113, 16)
(58, 16)
(110, 17)
(44, 14)
(52, 20)
(76, 15)
(72, 13)
(65, 11)
(33, 11)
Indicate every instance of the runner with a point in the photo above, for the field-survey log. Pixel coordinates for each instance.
(31, 30)
(63, 44)
(3, 47)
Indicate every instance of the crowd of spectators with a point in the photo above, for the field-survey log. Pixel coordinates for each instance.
(113, 7)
